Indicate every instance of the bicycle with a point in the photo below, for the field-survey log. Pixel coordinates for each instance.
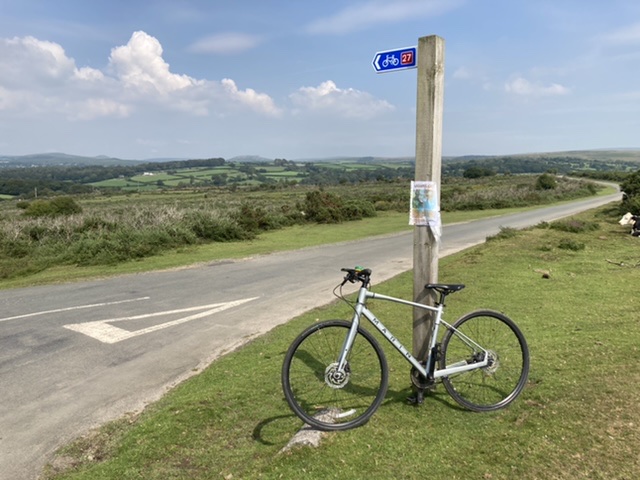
(335, 373)
(390, 60)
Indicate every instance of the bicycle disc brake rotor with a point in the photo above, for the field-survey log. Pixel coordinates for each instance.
(494, 363)
(336, 378)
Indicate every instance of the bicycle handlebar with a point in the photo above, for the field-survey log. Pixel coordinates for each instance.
(357, 274)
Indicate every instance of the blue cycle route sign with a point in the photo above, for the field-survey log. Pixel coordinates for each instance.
(392, 60)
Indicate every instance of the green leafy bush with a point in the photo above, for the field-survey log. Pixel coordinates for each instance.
(504, 233)
(52, 208)
(207, 226)
(546, 182)
(325, 207)
(570, 244)
(255, 218)
(631, 188)
(574, 226)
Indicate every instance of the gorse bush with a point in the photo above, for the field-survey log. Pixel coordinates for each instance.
(570, 244)
(52, 208)
(504, 233)
(574, 226)
(256, 218)
(325, 207)
(546, 182)
(631, 188)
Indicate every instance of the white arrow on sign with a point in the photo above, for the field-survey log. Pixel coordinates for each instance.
(105, 332)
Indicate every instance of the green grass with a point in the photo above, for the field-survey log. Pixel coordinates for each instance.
(578, 416)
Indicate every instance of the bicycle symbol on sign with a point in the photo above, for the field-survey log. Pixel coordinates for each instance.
(390, 60)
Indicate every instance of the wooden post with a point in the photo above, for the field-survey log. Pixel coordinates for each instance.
(430, 100)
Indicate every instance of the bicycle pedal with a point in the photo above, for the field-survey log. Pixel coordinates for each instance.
(417, 399)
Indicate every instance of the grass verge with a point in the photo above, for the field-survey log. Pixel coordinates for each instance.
(578, 416)
(290, 238)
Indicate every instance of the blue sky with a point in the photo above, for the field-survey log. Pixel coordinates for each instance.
(294, 79)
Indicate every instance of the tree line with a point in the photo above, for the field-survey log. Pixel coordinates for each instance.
(78, 179)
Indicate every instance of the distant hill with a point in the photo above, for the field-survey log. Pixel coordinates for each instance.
(249, 159)
(626, 155)
(602, 155)
(60, 159)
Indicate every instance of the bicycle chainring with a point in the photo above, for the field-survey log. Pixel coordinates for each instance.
(419, 381)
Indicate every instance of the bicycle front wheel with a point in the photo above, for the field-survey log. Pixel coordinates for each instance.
(501, 381)
(324, 397)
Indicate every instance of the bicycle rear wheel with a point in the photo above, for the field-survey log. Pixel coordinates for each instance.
(320, 395)
(499, 383)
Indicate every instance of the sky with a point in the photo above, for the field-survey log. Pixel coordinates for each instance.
(294, 79)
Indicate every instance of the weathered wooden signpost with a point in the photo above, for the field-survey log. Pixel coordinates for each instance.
(426, 238)
(428, 58)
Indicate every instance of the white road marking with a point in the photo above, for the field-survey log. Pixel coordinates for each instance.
(78, 307)
(102, 330)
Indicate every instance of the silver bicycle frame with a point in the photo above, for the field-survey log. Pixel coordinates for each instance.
(361, 309)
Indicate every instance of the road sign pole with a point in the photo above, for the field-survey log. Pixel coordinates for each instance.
(429, 106)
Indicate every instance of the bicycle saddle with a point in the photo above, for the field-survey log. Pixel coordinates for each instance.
(445, 288)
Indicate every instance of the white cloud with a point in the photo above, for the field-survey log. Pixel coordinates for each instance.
(39, 78)
(226, 43)
(374, 12)
(348, 103)
(521, 86)
(139, 65)
(257, 101)
(28, 61)
(629, 35)
(99, 107)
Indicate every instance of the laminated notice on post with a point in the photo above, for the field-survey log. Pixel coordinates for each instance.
(424, 205)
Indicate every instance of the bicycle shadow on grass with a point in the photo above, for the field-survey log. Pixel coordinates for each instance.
(430, 395)
(270, 432)
(262, 433)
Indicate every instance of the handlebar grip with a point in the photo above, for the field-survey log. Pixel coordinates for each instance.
(356, 274)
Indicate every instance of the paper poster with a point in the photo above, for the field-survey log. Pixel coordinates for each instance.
(425, 209)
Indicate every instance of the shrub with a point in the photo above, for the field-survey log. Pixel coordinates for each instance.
(630, 204)
(478, 172)
(358, 209)
(574, 226)
(631, 185)
(569, 244)
(52, 208)
(505, 233)
(255, 218)
(208, 227)
(324, 207)
(546, 182)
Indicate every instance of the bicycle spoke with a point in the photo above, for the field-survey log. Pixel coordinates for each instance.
(318, 392)
(497, 384)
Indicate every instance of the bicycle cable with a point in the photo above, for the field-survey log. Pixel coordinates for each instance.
(337, 292)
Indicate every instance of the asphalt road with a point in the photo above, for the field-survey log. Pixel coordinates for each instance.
(74, 356)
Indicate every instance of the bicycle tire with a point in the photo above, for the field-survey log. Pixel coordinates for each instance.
(318, 400)
(497, 385)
